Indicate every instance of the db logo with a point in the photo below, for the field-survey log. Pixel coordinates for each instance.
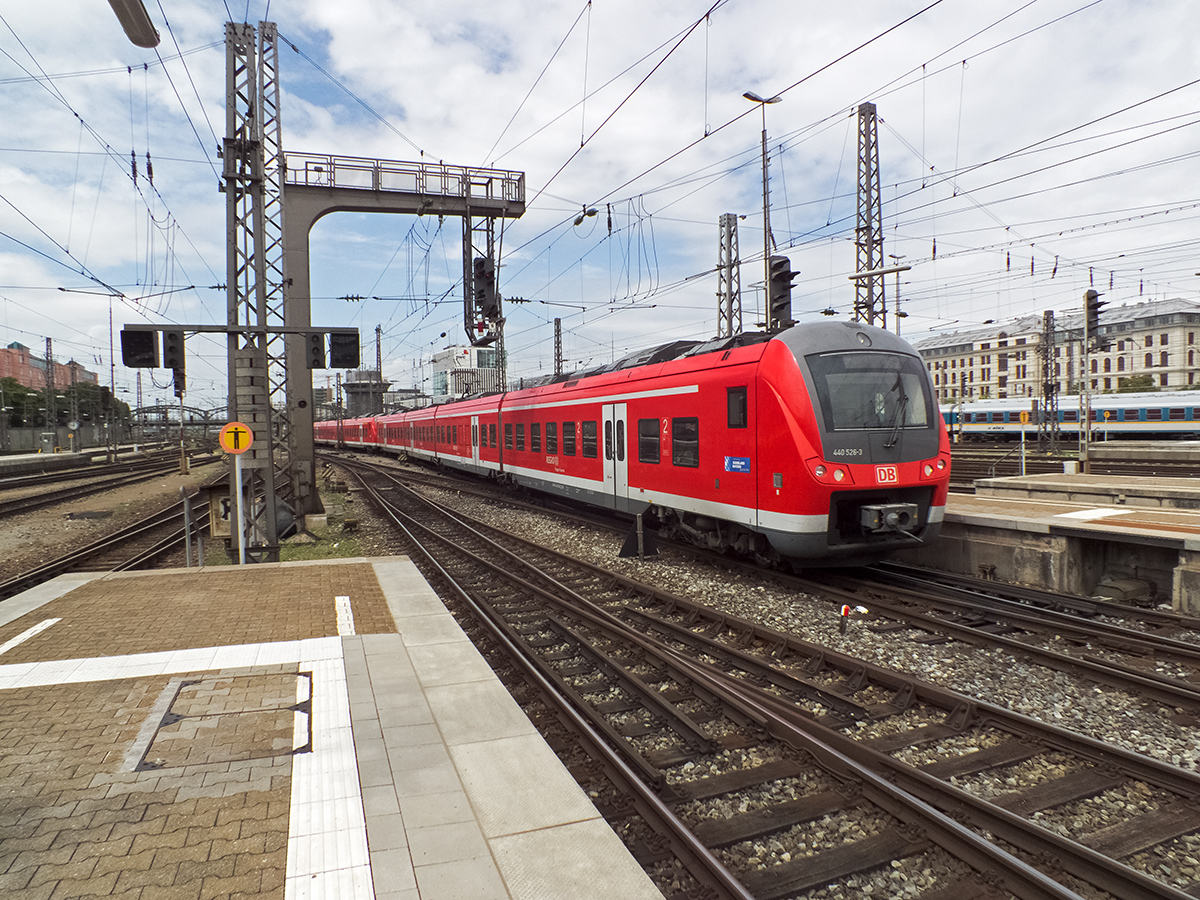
(886, 475)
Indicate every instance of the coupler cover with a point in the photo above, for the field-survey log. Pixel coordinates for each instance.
(884, 517)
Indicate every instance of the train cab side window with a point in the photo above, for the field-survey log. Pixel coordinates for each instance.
(551, 437)
(736, 407)
(508, 443)
(535, 438)
(589, 440)
(492, 434)
(648, 449)
(521, 436)
(568, 439)
(685, 442)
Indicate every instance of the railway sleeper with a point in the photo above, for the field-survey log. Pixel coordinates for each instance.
(1141, 833)
(832, 865)
(1003, 754)
(777, 817)
(1065, 789)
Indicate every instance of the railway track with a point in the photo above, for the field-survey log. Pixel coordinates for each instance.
(770, 766)
(106, 479)
(136, 546)
(970, 465)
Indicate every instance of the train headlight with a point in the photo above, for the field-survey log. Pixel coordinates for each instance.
(941, 464)
(820, 470)
(928, 470)
(838, 474)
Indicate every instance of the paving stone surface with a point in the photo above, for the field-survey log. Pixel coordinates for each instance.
(164, 788)
(75, 821)
(210, 607)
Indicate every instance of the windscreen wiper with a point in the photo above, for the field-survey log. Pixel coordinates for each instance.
(901, 406)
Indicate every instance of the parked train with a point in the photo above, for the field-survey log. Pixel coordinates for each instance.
(821, 444)
(1153, 414)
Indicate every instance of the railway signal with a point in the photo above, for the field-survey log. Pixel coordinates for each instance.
(343, 350)
(779, 293)
(139, 349)
(1092, 304)
(316, 350)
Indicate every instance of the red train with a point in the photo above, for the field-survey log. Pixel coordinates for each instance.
(822, 444)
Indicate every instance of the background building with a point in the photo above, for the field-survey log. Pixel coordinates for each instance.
(462, 371)
(1156, 340)
(17, 361)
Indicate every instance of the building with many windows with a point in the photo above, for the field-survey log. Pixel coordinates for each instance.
(17, 361)
(1004, 360)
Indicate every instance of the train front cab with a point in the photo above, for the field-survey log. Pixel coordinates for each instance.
(859, 464)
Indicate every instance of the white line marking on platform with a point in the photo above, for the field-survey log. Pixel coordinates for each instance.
(27, 634)
(1095, 513)
(345, 616)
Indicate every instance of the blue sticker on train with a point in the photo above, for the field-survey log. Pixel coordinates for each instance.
(737, 464)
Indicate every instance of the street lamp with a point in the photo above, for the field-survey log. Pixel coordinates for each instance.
(136, 22)
(762, 103)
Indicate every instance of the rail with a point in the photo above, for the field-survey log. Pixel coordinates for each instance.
(435, 179)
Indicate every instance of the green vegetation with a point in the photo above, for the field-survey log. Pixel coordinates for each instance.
(1135, 383)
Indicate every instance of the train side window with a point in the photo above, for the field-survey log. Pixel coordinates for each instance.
(685, 442)
(589, 439)
(535, 438)
(1154, 415)
(608, 438)
(568, 438)
(508, 444)
(454, 435)
(1176, 414)
(1070, 415)
(736, 407)
(521, 436)
(1131, 415)
(474, 435)
(620, 440)
(648, 449)
(551, 437)
(492, 434)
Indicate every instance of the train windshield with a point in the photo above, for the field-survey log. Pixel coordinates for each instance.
(868, 390)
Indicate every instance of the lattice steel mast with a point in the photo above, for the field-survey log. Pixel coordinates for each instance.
(869, 299)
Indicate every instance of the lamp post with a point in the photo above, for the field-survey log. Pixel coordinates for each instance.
(762, 103)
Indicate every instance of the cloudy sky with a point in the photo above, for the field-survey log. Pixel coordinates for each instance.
(1028, 149)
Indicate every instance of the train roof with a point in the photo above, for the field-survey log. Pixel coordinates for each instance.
(658, 354)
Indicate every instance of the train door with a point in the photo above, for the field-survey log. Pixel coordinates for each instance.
(475, 440)
(616, 462)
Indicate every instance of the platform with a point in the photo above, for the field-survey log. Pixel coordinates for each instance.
(296, 730)
(28, 463)
(1076, 533)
